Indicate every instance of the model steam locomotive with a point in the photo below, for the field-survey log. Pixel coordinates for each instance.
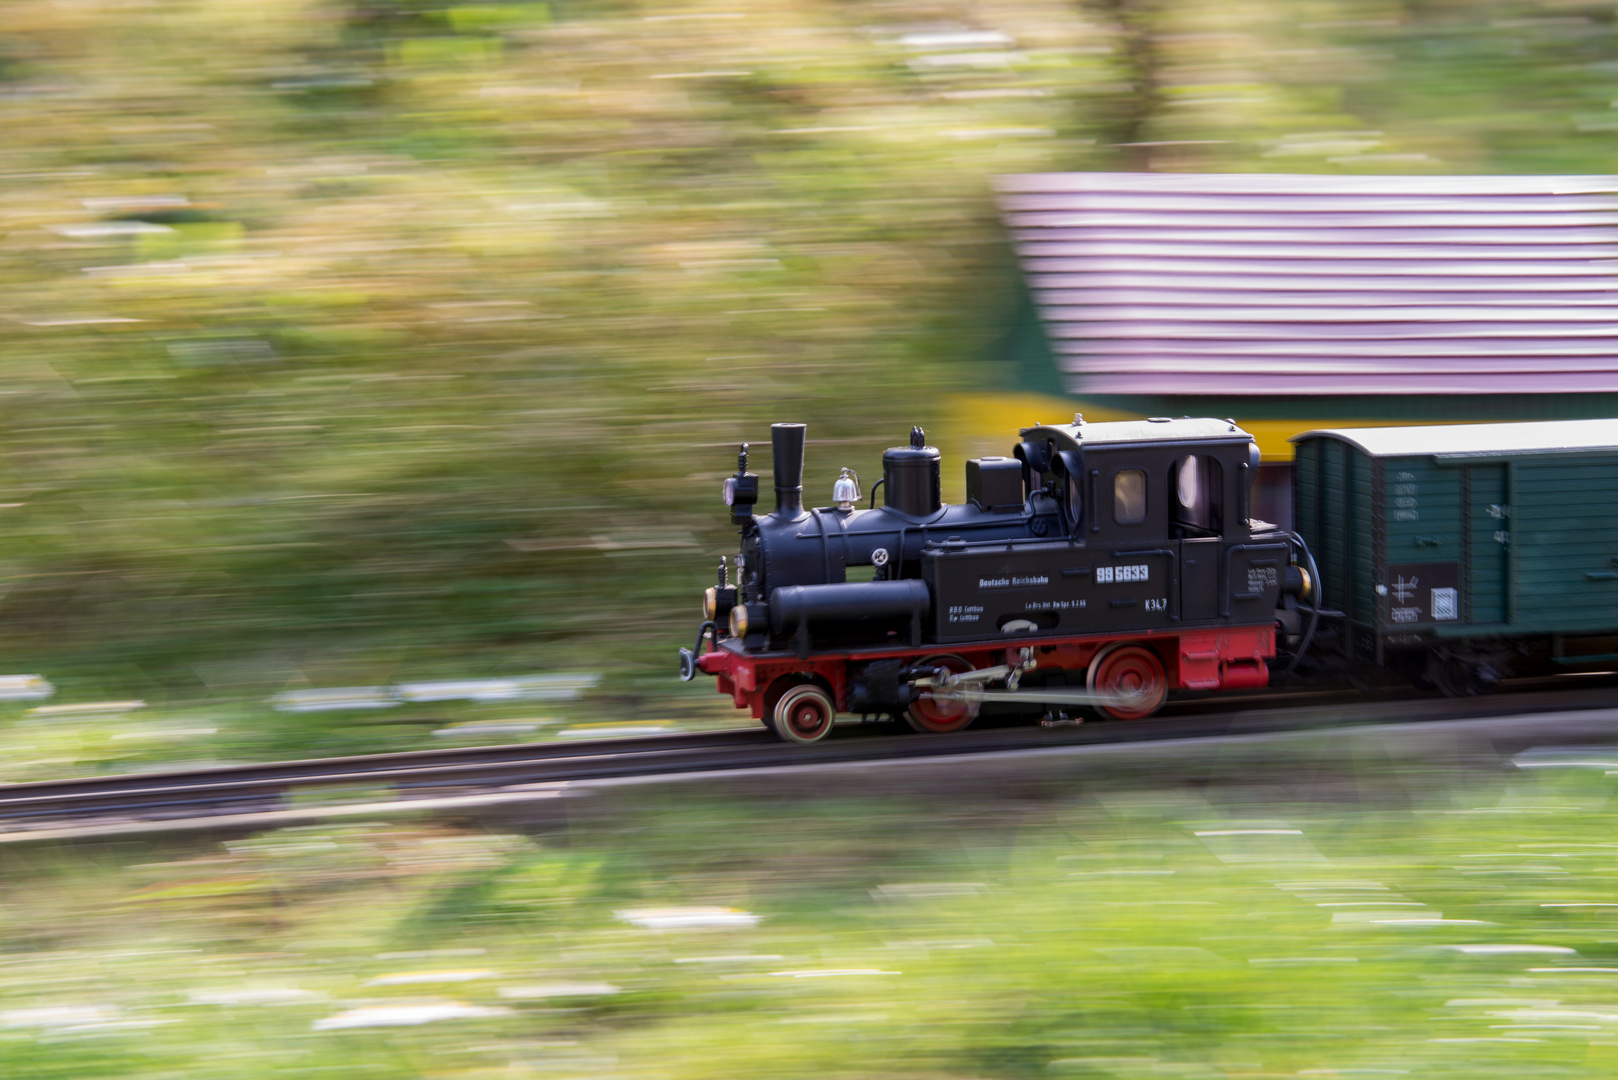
(1102, 565)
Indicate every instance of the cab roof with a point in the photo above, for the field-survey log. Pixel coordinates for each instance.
(1151, 430)
(1477, 440)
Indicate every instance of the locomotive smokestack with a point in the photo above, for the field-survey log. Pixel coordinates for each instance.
(787, 441)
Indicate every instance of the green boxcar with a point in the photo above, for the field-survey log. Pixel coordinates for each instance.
(1463, 548)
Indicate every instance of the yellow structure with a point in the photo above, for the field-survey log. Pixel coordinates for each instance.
(986, 423)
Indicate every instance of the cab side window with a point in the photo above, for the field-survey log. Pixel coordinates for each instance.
(1129, 496)
(1196, 486)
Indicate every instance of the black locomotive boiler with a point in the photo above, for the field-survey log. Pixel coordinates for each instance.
(1101, 565)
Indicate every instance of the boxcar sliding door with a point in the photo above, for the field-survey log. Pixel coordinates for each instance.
(1563, 520)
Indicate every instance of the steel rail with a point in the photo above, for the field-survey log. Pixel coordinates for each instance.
(413, 775)
(270, 781)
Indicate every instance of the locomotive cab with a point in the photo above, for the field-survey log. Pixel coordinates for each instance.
(1158, 536)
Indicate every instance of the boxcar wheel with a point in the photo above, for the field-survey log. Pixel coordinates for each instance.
(1456, 676)
(939, 717)
(1135, 676)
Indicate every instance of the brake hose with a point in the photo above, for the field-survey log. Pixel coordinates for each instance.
(1314, 603)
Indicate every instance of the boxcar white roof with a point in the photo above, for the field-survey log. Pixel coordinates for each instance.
(1477, 440)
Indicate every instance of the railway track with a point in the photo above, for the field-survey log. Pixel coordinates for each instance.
(404, 777)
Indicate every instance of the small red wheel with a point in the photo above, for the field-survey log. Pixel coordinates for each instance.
(939, 717)
(1133, 677)
(804, 714)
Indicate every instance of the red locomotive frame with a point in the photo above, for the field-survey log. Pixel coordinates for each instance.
(1234, 658)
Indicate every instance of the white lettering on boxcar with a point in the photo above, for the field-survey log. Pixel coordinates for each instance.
(1446, 604)
(1405, 507)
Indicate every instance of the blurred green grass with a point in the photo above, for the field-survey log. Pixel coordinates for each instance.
(350, 342)
(1391, 917)
(104, 738)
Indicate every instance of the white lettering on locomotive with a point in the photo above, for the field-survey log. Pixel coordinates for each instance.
(1013, 582)
(1108, 575)
(1053, 605)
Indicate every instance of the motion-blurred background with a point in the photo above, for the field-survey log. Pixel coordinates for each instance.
(367, 374)
(357, 341)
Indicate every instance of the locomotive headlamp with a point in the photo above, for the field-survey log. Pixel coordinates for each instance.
(738, 621)
(717, 602)
(740, 491)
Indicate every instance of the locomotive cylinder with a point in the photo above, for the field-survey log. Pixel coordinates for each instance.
(911, 483)
(786, 440)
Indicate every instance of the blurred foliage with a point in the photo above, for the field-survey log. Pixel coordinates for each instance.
(355, 340)
(1359, 915)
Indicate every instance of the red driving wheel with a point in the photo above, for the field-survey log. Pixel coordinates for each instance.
(804, 714)
(1133, 677)
(938, 717)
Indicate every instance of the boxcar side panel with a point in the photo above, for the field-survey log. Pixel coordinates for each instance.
(1422, 549)
(1477, 545)
(1423, 511)
(1332, 484)
(1563, 538)
(1306, 496)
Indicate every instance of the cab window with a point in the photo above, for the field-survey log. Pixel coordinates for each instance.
(1129, 496)
(1196, 483)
